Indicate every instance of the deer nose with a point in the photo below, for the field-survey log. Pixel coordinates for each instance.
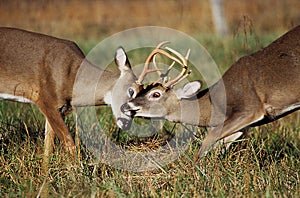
(124, 123)
(125, 108)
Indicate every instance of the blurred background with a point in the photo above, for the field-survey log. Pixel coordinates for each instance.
(97, 19)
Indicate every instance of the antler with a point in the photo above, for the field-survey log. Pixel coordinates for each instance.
(184, 73)
(146, 69)
(180, 60)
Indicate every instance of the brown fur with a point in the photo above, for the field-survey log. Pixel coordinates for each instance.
(43, 70)
(259, 88)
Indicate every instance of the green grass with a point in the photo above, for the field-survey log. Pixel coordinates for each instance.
(265, 164)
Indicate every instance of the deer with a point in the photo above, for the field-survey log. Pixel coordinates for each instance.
(54, 75)
(259, 88)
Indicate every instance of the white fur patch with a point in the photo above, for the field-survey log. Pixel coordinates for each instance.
(121, 56)
(147, 115)
(108, 98)
(254, 121)
(123, 69)
(121, 61)
(14, 98)
(290, 108)
(229, 139)
(120, 124)
(133, 107)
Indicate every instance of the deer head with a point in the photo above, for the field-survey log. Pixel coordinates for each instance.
(124, 81)
(159, 99)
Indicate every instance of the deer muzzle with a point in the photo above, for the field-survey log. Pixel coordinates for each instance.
(127, 110)
(124, 123)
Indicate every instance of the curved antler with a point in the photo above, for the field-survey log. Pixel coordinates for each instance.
(184, 73)
(179, 59)
(146, 69)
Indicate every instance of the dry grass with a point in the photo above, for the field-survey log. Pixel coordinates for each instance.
(266, 164)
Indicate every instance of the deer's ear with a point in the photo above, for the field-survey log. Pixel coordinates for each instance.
(188, 90)
(121, 59)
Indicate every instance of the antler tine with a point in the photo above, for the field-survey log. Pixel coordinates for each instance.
(165, 76)
(146, 69)
(157, 50)
(180, 60)
(162, 44)
(155, 66)
(183, 59)
(184, 72)
(181, 78)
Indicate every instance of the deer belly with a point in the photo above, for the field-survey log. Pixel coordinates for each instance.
(290, 108)
(14, 98)
(273, 112)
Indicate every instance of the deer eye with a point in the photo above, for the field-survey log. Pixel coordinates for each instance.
(155, 95)
(130, 92)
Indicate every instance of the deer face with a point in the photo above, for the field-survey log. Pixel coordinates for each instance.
(156, 101)
(119, 94)
(160, 100)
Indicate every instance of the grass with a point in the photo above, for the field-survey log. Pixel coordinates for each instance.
(265, 164)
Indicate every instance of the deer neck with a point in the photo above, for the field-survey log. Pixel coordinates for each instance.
(92, 85)
(194, 111)
(205, 109)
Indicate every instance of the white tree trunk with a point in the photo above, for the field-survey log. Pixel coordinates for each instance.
(219, 19)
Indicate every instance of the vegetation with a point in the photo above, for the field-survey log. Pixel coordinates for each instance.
(89, 19)
(265, 164)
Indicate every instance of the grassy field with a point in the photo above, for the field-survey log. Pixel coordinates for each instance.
(265, 164)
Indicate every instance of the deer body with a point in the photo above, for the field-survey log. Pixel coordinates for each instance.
(43, 70)
(259, 88)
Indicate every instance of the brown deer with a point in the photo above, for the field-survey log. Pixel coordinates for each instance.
(259, 88)
(54, 75)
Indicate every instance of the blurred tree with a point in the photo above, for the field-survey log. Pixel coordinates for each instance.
(219, 19)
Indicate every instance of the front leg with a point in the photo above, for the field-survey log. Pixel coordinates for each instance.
(231, 130)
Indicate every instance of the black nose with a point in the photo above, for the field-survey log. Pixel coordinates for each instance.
(124, 123)
(125, 108)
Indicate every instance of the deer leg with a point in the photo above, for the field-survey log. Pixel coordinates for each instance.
(227, 132)
(231, 138)
(225, 143)
(55, 122)
(49, 139)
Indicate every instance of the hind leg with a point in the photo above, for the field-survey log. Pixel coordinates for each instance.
(55, 125)
(49, 139)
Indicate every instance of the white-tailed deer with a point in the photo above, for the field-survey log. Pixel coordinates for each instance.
(54, 75)
(259, 88)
